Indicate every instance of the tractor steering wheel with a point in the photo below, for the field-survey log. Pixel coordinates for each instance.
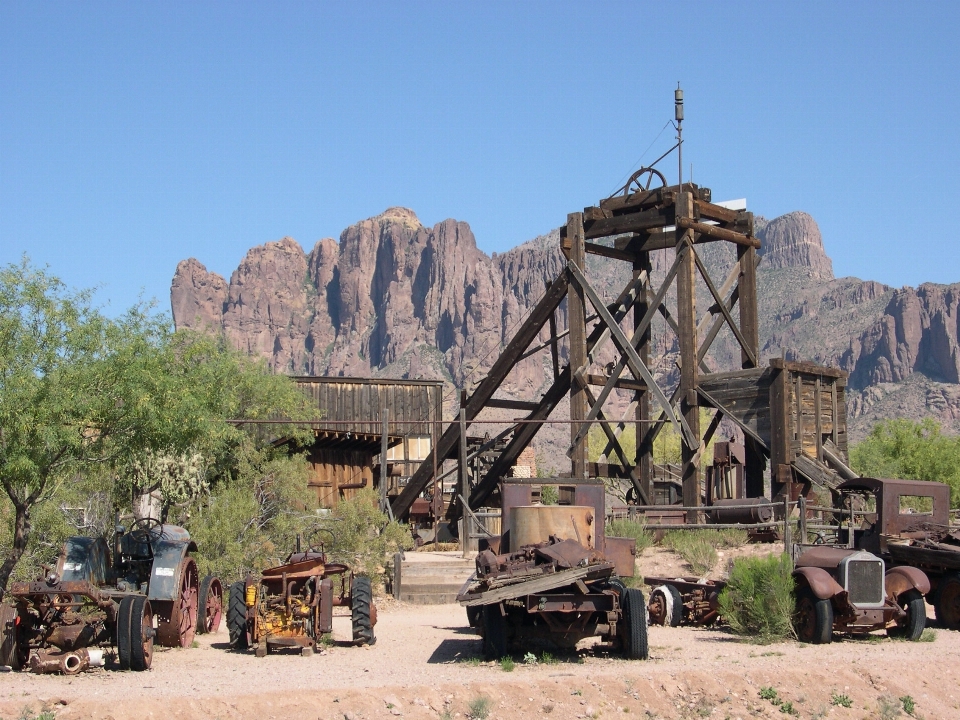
(142, 527)
(315, 541)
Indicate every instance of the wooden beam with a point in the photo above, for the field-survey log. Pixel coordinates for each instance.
(576, 315)
(447, 443)
(744, 345)
(713, 402)
(716, 232)
(622, 384)
(637, 367)
(689, 360)
(630, 222)
(506, 404)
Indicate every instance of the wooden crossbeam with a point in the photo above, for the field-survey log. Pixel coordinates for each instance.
(721, 303)
(743, 426)
(447, 444)
(636, 365)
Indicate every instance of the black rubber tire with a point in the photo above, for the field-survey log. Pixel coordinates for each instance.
(475, 616)
(202, 594)
(494, 632)
(634, 625)
(123, 630)
(813, 619)
(360, 611)
(947, 602)
(916, 621)
(141, 634)
(237, 616)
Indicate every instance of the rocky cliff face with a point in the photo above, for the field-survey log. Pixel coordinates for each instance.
(394, 298)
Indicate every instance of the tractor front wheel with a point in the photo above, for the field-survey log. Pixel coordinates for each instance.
(363, 612)
(237, 616)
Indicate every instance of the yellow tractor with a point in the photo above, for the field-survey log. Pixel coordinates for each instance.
(291, 605)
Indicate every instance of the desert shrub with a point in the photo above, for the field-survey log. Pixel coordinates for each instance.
(631, 529)
(731, 537)
(695, 547)
(364, 537)
(549, 495)
(758, 599)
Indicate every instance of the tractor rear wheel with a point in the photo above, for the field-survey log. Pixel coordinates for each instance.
(363, 614)
(634, 625)
(11, 648)
(209, 605)
(123, 630)
(237, 616)
(141, 634)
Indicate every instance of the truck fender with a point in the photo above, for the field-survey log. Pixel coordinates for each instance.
(899, 580)
(820, 582)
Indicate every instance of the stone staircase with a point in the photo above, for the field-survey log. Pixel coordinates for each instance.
(430, 578)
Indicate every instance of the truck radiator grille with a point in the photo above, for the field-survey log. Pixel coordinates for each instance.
(865, 582)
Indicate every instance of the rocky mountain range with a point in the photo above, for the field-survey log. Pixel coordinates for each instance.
(395, 298)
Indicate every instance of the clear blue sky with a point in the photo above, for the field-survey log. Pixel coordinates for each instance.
(137, 134)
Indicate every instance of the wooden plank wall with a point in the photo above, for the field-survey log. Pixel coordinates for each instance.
(746, 394)
(356, 403)
(811, 402)
(338, 474)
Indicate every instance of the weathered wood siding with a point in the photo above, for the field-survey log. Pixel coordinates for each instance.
(357, 404)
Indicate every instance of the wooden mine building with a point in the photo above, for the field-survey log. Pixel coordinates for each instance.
(349, 439)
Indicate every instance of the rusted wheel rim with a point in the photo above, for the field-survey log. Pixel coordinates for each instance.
(213, 612)
(657, 608)
(147, 635)
(184, 617)
(806, 618)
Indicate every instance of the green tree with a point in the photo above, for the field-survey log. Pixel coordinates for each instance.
(910, 450)
(58, 405)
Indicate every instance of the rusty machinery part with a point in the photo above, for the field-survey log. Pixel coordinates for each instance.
(634, 625)
(66, 662)
(209, 605)
(494, 629)
(813, 618)
(237, 616)
(13, 651)
(363, 613)
(643, 180)
(135, 633)
(665, 606)
(911, 626)
(475, 617)
(946, 601)
(180, 626)
(141, 527)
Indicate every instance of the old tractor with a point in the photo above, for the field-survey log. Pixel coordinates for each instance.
(291, 605)
(553, 575)
(148, 592)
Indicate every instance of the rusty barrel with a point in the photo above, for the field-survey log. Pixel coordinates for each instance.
(728, 512)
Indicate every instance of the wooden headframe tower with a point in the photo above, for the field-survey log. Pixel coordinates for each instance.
(630, 225)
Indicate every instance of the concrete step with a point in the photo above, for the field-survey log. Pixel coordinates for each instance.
(418, 598)
(432, 578)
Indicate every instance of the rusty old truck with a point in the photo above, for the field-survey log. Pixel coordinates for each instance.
(907, 523)
(554, 575)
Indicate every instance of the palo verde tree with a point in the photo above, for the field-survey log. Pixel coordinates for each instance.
(58, 405)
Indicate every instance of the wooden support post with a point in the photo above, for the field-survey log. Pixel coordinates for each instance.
(755, 461)
(787, 530)
(463, 476)
(384, 467)
(576, 312)
(643, 460)
(687, 320)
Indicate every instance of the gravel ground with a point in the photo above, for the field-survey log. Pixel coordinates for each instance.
(424, 666)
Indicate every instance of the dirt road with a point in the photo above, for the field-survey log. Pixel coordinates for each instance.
(421, 667)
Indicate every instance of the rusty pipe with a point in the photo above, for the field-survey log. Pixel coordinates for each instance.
(68, 663)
